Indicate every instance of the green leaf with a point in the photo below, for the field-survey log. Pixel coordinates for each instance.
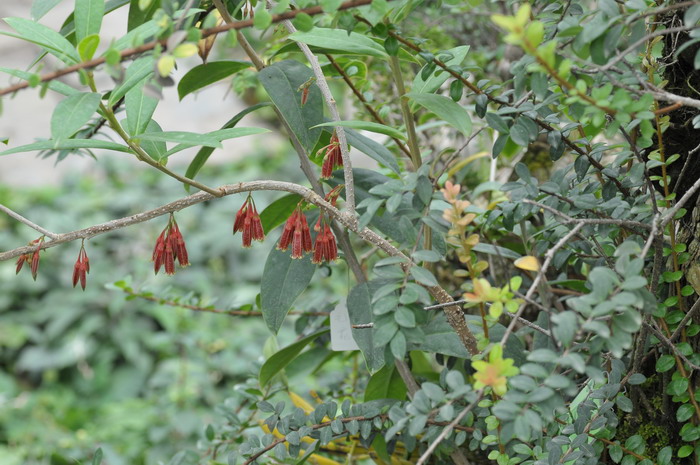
(366, 126)
(88, 17)
(664, 456)
(139, 109)
(68, 144)
(281, 81)
(190, 139)
(135, 74)
(97, 458)
(45, 37)
(72, 113)
(208, 73)
(41, 7)
(137, 17)
(385, 384)
(497, 250)
(278, 211)
(205, 152)
(262, 19)
(56, 86)
(372, 149)
(446, 109)
(438, 336)
(284, 357)
(283, 280)
(423, 276)
(88, 46)
(338, 39)
(303, 22)
(685, 451)
(155, 149)
(360, 311)
(137, 36)
(665, 363)
(219, 135)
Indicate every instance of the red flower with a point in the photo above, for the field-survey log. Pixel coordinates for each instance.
(248, 221)
(170, 246)
(325, 247)
(81, 268)
(32, 258)
(296, 231)
(333, 158)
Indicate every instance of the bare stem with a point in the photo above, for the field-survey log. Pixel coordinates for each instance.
(406, 113)
(335, 116)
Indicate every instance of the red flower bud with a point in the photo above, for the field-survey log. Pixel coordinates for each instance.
(170, 246)
(325, 247)
(81, 268)
(248, 221)
(333, 158)
(296, 231)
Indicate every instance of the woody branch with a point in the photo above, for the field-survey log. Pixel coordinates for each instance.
(453, 313)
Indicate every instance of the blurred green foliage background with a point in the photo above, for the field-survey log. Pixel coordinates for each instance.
(80, 370)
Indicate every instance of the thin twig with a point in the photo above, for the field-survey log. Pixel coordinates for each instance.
(448, 429)
(29, 223)
(665, 341)
(549, 256)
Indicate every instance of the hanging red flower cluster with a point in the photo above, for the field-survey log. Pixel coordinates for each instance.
(325, 246)
(296, 232)
(81, 268)
(33, 258)
(333, 158)
(170, 246)
(248, 221)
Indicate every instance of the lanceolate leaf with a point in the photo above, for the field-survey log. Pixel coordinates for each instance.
(139, 109)
(88, 17)
(367, 126)
(219, 135)
(183, 137)
(45, 37)
(68, 144)
(278, 211)
(205, 152)
(41, 7)
(72, 113)
(371, 148)
(209, 73)
(135, 74)
(284, 357)
(281, 81)
(446, 109)
(338, 39)
(137, 17)
(283, 280)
